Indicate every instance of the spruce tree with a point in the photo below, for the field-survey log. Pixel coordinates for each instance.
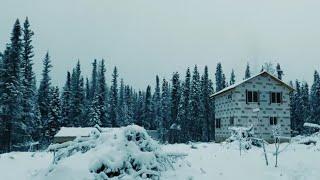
(94, 79)
(184, 110)
(14, 133)
(121, 104)
(206, 91)
(247, 74)
(28, 80)
(195, 106)
(94, 112)
(232, 78)
(279, 72)
(54, 116)
(44, 89)
(220, 78)
(114, 99)
(156, 105)
(128, 106)
(165, 111)
(77, 97)
(147, 110)
(315, 99)
(175, 100)
(101, 92)
(139, 109)
(66, 103)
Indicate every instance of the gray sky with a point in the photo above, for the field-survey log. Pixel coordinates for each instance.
(144, 38)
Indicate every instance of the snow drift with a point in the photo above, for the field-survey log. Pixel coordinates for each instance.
(126, 153)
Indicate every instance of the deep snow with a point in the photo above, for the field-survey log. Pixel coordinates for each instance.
(205, 161)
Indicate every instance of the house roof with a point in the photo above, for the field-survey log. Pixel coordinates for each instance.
(246, 80)
(74, 132)
(80, 131)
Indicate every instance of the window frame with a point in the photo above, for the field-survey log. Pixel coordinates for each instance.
(252, 96)
(273, 120)
(276, 98)
(218, 123)
(231, 121)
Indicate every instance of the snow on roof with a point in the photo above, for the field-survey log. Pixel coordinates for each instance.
(74, 131)
(245, 80)
(79, 131)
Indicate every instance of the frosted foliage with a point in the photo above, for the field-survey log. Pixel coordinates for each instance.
(126, 153)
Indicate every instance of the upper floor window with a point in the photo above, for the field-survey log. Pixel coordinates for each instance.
(273, 120)
(275, 97)
(252, 96)
(218, 123)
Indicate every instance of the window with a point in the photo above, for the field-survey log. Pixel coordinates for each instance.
(252, 96)
(275, 97)
(231, 121)
(273, 120)
(218, 123)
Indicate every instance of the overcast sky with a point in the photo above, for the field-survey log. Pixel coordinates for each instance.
(146, 37)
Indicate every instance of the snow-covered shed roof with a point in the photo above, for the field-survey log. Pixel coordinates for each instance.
(252, 77)
(74, 131)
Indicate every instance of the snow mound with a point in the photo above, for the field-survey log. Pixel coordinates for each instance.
(126, 153)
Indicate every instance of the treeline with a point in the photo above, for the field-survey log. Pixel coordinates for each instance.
(180, 108)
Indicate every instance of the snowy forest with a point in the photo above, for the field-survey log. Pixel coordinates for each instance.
(32, 109)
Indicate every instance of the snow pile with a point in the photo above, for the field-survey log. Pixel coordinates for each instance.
(126, 153)
(313, 139)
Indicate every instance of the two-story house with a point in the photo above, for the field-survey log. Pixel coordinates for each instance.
(262, 101)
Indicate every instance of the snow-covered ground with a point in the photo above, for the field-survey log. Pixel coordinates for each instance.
(129, 153)
(205, 161)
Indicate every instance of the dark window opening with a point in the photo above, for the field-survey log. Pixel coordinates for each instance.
(252, 96)
(218, 123)
(273, 120)
(276, 97)
(232, 121)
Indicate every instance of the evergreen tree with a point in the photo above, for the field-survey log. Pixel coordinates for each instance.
(44, 89)
(127, 108)
(77, 97)
(297, 114)
(94, 113)
(165, 111)
(28, 81)
(247, 74)
(102, 94)
(94, 79)
(139, 109)
(315, 99)
(305, 104)
(220, 78)
(54, 116)
(175, 100)
(232, 78)
(114, 99)
(156, 105)
(195, 115)
(121, 104)
(279, 72)
(66, 103)
(14, 133)
(206, 91)
(147, 112)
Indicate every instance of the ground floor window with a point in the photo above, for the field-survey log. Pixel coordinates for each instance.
(218, 123)
(232, 121)
(273, 120)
